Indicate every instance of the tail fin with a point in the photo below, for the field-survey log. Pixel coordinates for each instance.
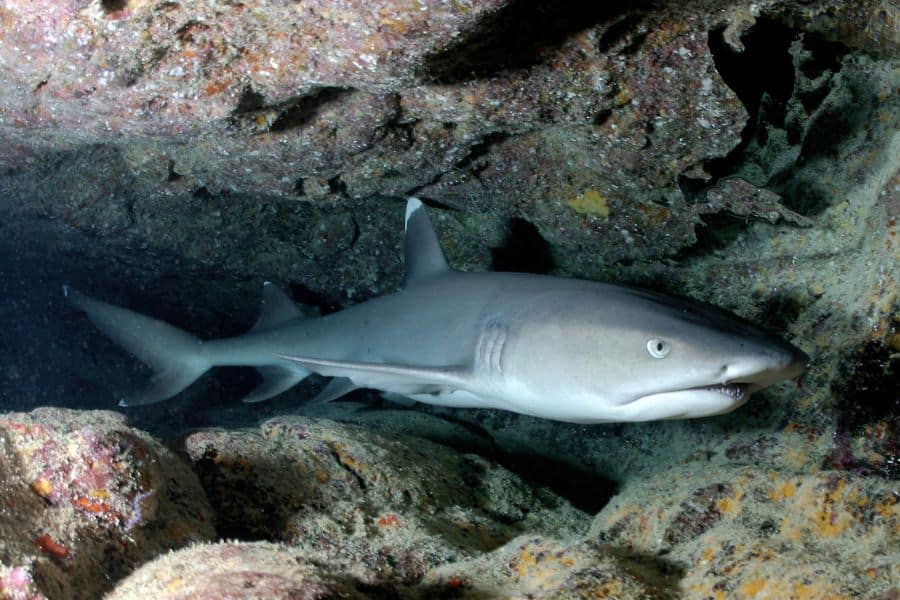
(175, 355)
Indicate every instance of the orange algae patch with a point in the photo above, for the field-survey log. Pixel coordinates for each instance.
(858, 498)
(541, 564)
(526, 562)
(785, 490)
(731, 503)
(389, 521)
(455, 583)
(610, 589)
(92, 505)
(752, 588)
(42, 487)
(830, 522)
(812, 591)
(567, 561)
(217, 87)
(345, 458)
(887, 508)
(780, 588)
(50, 546)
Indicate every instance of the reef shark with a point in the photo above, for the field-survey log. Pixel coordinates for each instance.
(550, 347)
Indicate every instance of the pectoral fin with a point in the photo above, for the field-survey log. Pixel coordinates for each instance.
(337, 387)
(275, 381)
(400, 379)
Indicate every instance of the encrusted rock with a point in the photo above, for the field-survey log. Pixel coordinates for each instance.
(384, 509)
(86, 499)
(235, 570)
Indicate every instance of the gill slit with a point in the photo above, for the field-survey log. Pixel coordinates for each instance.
(489, 349)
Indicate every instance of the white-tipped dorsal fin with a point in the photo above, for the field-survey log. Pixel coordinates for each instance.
(422, 253)
(277, 309)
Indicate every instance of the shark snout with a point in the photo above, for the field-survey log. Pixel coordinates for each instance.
(794, 363)
(766, 368)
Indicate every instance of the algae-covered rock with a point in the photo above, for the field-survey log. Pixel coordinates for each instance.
(384, 509)
(751, 532)
(86, 499)
(545, 569)
(249, 571)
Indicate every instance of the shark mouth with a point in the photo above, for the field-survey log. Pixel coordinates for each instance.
(737, 391)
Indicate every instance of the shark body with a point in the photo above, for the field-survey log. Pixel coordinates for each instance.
(551, 347)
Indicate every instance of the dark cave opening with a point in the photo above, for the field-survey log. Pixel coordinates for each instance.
(525, 250)
(523, 34)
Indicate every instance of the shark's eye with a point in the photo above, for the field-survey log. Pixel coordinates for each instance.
(658, 348)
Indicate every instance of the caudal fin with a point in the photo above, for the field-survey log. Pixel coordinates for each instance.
(175, 355)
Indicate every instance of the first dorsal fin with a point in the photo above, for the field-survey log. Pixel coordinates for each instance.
(422, 253)
(277, 309)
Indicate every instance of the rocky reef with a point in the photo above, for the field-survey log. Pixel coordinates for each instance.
(86, 499)
(171, 156)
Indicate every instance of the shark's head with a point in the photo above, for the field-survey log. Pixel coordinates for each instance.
(633, 355)
(699, 360)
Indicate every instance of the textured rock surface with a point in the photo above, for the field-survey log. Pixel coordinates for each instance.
(86, 499)
(364, 101)
(235, 570)
(747, 531)
(377, 508)
(536, 567)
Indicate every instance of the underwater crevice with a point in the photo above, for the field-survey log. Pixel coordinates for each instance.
(764, 67)
(254, 114)
(584, 489)
(112, 6)
(300, 111)
(398, 129)
(338, 186)
(481, 149)
(525, 250)
(521, 35)
(786, 80)
(715, 232)
(249, 100)
(763, 71)
(306, 296)
(618, 31)
(869, 407)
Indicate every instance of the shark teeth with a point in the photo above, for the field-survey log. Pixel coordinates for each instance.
(733, 390)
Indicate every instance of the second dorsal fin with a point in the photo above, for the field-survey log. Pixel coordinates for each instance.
(277, 309)
(422, 253)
